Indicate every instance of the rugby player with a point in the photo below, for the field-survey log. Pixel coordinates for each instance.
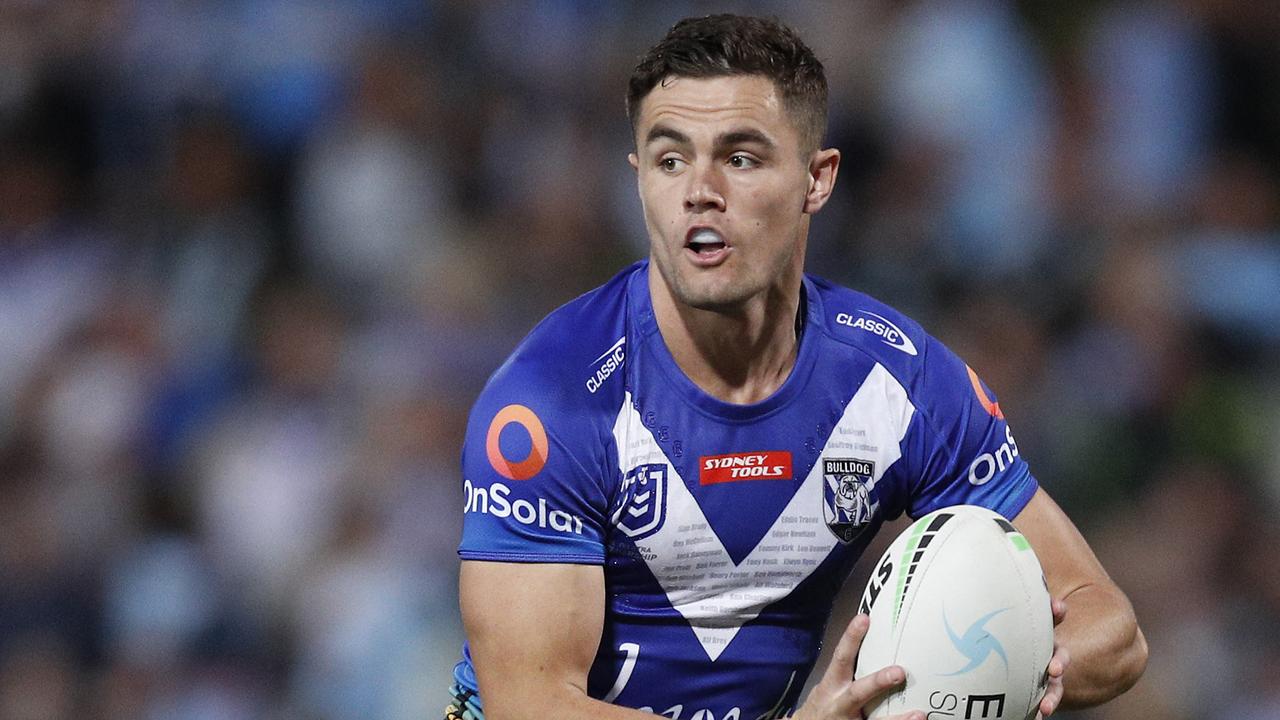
(671, 476)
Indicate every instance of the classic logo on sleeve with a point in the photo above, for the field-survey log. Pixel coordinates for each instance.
(605, 365)
(880, 326)
(536, 458)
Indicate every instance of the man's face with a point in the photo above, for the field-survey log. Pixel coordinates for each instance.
(726, 189)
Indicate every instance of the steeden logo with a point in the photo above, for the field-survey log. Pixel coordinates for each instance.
(976, 644)
(537, 457)
(764, 465)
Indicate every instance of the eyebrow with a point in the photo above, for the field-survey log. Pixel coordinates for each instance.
(662, 131)
(743, 137)
(735, 137)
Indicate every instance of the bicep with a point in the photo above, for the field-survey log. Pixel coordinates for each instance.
(533, 629)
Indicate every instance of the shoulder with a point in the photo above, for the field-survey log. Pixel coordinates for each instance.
(870, 327)
(565, 346)
(569, 365)
(537, 459)
(958, 446)
(932, 375)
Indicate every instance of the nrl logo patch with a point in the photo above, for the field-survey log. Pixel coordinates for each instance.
(643, 503)
(846, 497)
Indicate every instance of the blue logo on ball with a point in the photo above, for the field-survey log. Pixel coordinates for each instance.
(976, 643)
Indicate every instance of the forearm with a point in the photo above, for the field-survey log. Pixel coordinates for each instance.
(1107, 649)
(564, 703)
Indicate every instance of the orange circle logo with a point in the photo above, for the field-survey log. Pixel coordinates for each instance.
(530, 465)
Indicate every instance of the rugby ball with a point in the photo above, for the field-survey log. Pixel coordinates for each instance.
(960, 602)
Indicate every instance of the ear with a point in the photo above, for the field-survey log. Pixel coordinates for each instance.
(634, 160)
(823, 166)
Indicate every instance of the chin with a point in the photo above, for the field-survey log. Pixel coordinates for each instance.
(713, 299)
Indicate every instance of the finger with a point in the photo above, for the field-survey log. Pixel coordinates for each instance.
(840, 668)
(863, 690)
(1052, 696)
(1059, 662)
(1054, 690)
(913, 715)
(1058, 608)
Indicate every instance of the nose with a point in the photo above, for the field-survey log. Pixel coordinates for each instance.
(704, 191)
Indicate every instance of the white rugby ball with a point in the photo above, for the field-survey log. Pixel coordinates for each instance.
(960, 602)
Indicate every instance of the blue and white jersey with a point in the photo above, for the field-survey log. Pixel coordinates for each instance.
(724, 530)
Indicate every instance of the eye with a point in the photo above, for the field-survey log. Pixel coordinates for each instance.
(670, 163)
(742, 161)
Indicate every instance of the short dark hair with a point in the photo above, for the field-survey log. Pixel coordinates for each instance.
(721, 45)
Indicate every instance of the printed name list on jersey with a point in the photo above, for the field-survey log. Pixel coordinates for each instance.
(714, 593)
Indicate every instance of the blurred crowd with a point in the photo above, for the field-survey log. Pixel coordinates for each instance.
(258, 256)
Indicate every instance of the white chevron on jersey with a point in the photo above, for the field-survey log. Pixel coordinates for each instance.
(720, 597)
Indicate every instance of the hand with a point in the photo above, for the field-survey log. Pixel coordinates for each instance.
(1057, 666)
(838, 696)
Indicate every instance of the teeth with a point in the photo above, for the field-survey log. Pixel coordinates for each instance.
(706, 237)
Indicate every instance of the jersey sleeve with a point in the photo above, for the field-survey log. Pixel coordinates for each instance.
(532, 476)
(963, 449)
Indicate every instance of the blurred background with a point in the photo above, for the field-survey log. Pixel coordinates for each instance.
(258, 256)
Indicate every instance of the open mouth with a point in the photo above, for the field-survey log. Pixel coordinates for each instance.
(705, 242)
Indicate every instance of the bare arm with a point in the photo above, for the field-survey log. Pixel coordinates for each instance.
(534, 629)
(1100, 632)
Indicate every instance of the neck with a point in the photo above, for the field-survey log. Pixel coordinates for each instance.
(738, 355)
